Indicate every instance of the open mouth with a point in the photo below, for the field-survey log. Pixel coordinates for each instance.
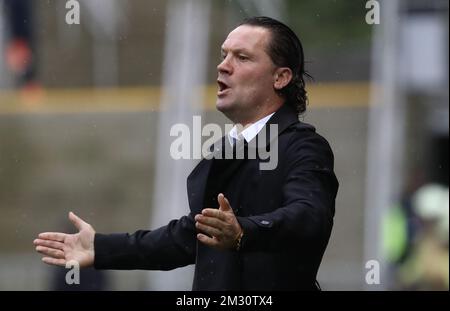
(223, 87)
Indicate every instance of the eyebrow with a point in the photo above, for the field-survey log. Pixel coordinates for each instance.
(236, 51)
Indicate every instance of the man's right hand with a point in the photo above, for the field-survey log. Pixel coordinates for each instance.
(60, 248)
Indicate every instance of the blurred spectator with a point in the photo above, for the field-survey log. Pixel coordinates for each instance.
(401, 224)
(20, 52)
(416, 232)
(419, 253)
(427, 266)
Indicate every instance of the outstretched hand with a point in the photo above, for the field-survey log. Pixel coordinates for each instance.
(220, 225)
(59, 248)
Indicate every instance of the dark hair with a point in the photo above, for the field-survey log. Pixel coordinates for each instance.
(285, 50)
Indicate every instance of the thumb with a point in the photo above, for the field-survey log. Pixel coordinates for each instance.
(223, 202)
(77, 221)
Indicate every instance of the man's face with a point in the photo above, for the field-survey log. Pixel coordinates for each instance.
(245, 75)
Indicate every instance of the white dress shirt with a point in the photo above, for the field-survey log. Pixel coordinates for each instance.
(249, 132)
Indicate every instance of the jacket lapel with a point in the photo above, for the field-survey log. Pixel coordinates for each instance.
(196, 181)
(196, 185)
(283, 118)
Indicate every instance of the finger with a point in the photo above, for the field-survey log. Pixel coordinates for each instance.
(209, 230)
(211, 221)
(51, 252)
(55, 236)
(54, 261)
(49, 243)
(213, 212)
(223, 202)
(77, 221)
(207, 240)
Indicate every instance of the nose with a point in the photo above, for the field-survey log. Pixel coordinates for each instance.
(225, 66)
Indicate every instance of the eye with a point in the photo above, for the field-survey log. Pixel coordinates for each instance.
(242, 57)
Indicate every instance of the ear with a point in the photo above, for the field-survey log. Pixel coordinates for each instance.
(282, 77)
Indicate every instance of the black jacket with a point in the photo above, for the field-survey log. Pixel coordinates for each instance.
(286, 214)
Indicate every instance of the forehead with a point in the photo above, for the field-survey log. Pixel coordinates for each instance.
(247, 37)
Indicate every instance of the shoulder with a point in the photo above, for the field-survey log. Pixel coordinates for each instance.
(304, 133)
(304, 143)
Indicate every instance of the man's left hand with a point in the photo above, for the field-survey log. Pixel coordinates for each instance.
(220, 224)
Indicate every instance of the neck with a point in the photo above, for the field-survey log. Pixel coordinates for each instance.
(257, 116)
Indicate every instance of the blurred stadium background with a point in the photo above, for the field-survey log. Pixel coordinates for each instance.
(85, 114)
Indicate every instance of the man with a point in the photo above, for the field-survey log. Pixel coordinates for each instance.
(248, 229)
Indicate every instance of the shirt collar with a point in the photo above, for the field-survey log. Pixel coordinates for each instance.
(249, 132)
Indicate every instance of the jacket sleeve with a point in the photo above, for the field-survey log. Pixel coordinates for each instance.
(166, 248)
(305, 217)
